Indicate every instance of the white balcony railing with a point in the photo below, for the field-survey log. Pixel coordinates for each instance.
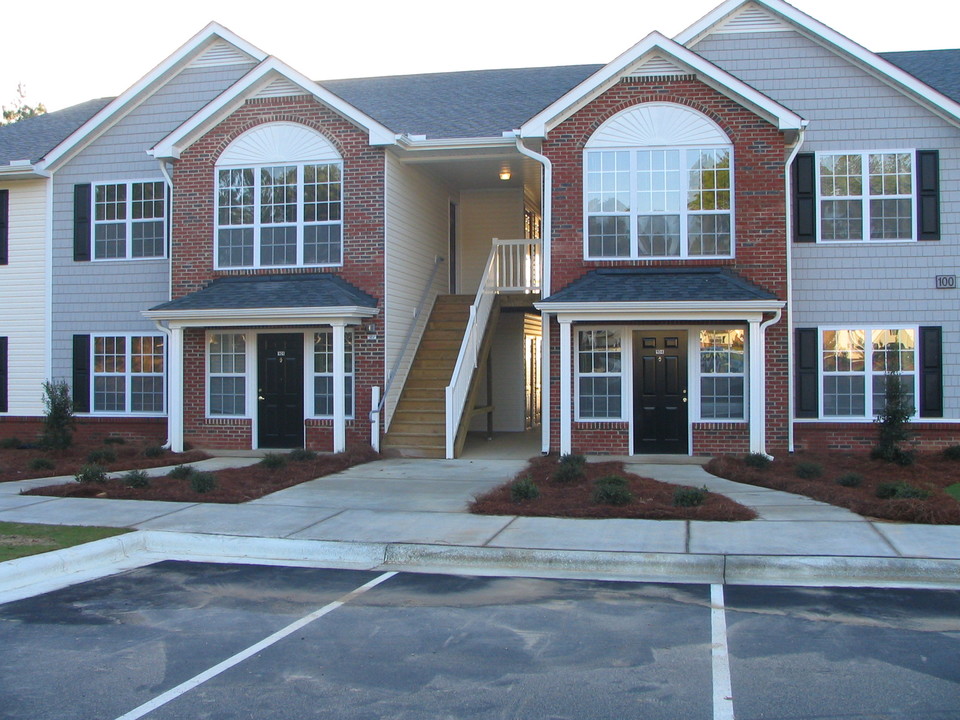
(518, 265)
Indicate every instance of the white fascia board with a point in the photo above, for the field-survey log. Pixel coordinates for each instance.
(144, 87)
(827, 36)
(443, 144)
(747, 310)
(260, 316)
(226, 102)
(544, 121)
(25, 171)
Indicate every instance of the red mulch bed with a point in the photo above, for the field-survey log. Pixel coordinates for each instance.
(651, 499)
(235, 485)
(931, 472)
(15, 463)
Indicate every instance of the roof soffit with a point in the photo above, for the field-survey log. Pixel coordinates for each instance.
(213, 34)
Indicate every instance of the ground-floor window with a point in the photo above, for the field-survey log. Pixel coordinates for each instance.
(722, 374)
(226, 373)
(128, 373)
(599, 375)
(323, 373)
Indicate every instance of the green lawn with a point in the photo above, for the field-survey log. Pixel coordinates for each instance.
(19, 540)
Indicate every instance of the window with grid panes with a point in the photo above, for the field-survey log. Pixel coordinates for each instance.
(722, 374)
(599, 375)
(323, 373)
(128, 374)
(129, 220)
(227, 374)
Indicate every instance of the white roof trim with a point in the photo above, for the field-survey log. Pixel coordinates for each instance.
(120, 105)
(260, 316)
(249, 85)
(818, 31)
(540, 124)
(674, 310)
(24, 171)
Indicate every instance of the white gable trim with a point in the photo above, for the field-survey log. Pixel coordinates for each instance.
(145, 87)
(658, 124)
(656, 44)
(261, 77)
(818, 32)
(282, 143)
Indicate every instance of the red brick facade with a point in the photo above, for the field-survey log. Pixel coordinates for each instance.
(363, 253)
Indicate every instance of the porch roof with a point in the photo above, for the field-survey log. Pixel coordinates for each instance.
(658, 285)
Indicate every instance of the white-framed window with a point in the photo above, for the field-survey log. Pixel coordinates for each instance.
(722, 374)
(279, 215)
(129, 220)
(599, 374)
(128, 374)
(854, 363)
(323, 373)
(866, 196)
(227, 374)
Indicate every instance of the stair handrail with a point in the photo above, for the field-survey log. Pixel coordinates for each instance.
(459, 387)
(438, 260)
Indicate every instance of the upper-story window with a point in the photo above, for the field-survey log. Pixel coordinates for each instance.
(129, 220)
(658, 184)
(279, 200)
(866, 196)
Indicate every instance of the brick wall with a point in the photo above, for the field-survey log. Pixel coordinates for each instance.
(857, 437)
(135, 429)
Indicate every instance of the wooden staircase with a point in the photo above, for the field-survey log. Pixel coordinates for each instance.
(418, 426)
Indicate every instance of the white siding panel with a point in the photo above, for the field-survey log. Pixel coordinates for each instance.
(416, 231)
(23, 297)
(484, 215)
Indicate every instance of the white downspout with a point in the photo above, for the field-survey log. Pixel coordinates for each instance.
(761, 340)
(165, 171)
(788, 185)
(546, 201)
(168, 212)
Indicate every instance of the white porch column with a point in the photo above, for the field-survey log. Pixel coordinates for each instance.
(175, 389)
(545, 386)
(758, 400)
(566, 404)
(339, 417)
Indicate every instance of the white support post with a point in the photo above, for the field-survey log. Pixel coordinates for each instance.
(375, 419)
(566, 380)
(545, 386)
(758, 401)
(175, 389)
(339, 416)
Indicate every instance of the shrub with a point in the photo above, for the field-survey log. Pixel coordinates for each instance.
(524, 489)
(154, 451)
(42, 463)
(273, 461)
(203, 482)
(850, 480)
(893, 423)
(91, 473)
(808, 470)
(114, 440)
(570, 468)
(952, 452)
(900, 491)
(756, 460)
(101, 456)
(301, 455)
(58, 420)
(181, 472)
(686, 496)
(136, 479)
(612, 490)
(10, 443)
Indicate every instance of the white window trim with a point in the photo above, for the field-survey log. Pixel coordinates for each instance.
(625, 377)
(310, 374)
(128, 376)
(865, 197)
(695, 374)
(128, 242)
(250, 356)
(257, 225)
(868, 374)
(633, 213)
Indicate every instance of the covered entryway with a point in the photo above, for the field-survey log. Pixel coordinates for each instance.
(660, 399)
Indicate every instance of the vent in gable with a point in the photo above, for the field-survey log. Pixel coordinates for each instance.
(752, 19)
(656, 66)
(221, 53)
(281, 87)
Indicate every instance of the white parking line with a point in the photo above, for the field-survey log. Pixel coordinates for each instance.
(193, 682)
(722, 690)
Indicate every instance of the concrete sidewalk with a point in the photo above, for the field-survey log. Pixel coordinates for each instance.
(411, 514)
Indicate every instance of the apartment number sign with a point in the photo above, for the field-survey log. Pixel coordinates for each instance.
(946, 282)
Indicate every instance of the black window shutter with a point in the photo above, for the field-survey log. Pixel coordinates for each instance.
(4, 227)
(807, 400)
(805, 198)
(4, 375)
(931, 372)
(928, 194)
(169, 218)
(81, 373)
(81, 222)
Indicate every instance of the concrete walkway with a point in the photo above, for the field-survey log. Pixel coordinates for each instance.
(411, 514)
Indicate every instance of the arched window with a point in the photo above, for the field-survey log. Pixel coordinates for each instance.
(279, 199)
(658, 182)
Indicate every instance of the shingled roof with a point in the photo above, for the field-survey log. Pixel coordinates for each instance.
(940, 69)
(33, 138)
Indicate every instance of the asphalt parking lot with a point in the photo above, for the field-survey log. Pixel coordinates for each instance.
(194, 640)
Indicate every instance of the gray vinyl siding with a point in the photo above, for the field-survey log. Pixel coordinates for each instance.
(108, 296)
(849, 109)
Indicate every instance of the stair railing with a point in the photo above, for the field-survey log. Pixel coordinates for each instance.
(518, 265)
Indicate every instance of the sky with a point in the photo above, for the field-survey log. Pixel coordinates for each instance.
(68, 52)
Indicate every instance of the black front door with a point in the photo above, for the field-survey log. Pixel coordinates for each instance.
(660, 392)
(280, 390)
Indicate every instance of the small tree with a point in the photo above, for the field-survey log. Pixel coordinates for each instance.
(20, 110)
(893, 423)
(58, 418)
